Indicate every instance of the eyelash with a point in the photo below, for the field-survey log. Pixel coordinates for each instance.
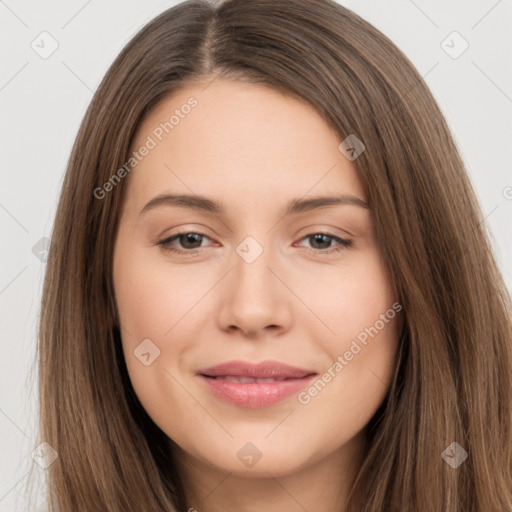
(166, 243)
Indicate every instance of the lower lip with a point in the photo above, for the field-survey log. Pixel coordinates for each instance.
(255, 395)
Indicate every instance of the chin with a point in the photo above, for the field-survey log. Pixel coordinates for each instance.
(256, 458)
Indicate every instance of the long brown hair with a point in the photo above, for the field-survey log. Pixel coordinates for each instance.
(453, 379)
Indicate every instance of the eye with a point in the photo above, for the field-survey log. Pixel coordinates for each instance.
(321, 239)
(191, 241)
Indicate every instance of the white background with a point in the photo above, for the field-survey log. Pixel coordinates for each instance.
(43, 101)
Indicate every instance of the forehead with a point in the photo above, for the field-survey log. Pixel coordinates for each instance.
(240, 139)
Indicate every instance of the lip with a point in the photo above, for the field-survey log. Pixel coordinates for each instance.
(286, 380)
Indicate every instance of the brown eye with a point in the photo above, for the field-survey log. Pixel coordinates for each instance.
(189, 242)
(321, 243)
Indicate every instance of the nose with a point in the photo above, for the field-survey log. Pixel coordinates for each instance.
(254, 299)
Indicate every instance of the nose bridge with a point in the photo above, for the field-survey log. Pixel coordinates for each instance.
(254, 297)
(251, 249)
(252, 261)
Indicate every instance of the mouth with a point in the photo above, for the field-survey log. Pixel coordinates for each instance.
(248, 380)
(254, 385)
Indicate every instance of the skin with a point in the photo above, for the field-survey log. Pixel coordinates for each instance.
(253, 149)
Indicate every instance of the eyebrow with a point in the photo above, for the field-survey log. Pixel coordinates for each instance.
(295, 206)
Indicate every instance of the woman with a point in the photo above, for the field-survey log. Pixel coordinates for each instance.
(258, 370)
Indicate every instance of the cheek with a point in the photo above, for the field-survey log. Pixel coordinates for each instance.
(151, 296)
(353, 300)
(361, 347)
(154, 303)
(143, 303)
(354, 382)
(149, 306)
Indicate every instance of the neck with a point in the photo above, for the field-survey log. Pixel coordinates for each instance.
(322, 486)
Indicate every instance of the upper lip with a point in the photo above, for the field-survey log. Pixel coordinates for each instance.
(263, 370)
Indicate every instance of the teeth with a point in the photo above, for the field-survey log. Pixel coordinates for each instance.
(243, 380)
(249, 380)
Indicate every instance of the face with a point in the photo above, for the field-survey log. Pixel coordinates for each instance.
(288, 290)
